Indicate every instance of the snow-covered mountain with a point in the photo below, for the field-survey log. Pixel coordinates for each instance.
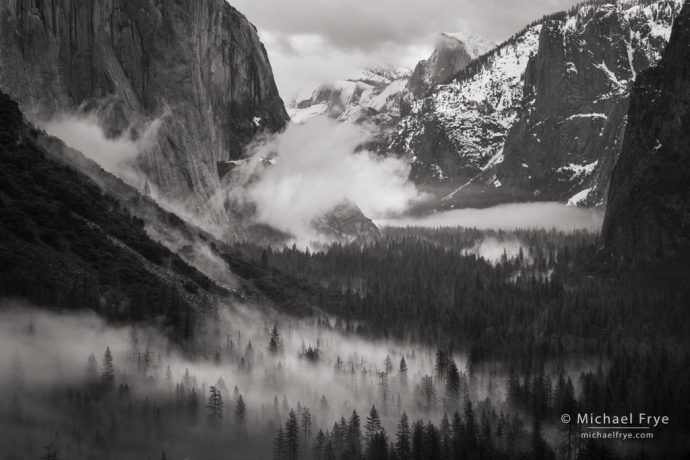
(365, 94)
(538, 117)
(379, 94)
(542, 115)
(455, 132)
(452, 53)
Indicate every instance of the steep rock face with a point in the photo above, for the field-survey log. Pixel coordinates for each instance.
(542, 115)
(648, 214)
(451, 135)
(452, 54)
(570, 129)
(198, 65)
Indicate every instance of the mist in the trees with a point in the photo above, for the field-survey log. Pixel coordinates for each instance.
(253, 383)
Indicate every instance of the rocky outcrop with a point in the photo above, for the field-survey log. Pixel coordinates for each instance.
(541, 117)
(451, 54)
(345, 223)
(198, 66)
(648, 214)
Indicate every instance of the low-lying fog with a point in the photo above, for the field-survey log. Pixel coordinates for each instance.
(312, 363)
(509, 217)
(313, 366)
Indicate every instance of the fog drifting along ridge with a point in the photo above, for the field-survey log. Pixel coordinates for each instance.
(509, 217)
(290, 178)
(116, 155)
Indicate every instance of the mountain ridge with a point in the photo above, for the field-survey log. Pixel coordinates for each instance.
(495, 133)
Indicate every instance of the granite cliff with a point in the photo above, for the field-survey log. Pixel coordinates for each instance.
(648, 214)
(542, 115)
(452, 53)
(198, 66)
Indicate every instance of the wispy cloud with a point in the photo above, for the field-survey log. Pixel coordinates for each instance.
(333, 34)
(314, 167)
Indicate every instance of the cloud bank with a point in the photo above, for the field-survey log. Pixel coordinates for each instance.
(510, 217)
(314, 168)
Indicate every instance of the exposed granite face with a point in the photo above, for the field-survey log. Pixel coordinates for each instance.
(451, 54)
(648, 214)
(570, 130)
(198, 65)
(540, 117)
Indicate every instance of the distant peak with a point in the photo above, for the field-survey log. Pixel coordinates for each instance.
(382, 73)
(474, 43)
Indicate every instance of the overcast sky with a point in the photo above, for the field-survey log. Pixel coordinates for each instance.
(314, 41)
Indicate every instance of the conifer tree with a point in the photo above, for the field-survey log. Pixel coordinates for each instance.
(319, 448)
(274, 341)
(388, 364)
(280, 446)
(108, 370)
(168, 378)
(446, 435)
(403, 439)
(353, 437)
(92, 370)
(441, 364)
(329, 453)
(402, 373)
(432, 442)
(377, 448)
(240, 413)
(458, 435)
(383, 389)
(215, 407)
(418, 440)
(338, 435)
(428, 393)
(470, 427)
(292, 438)
(305, 421)
(193, 403)
(373, 425)
(323, 404)
(453, 384)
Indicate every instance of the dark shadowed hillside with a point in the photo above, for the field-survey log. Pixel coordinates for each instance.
(648, 217)
(67, 242)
